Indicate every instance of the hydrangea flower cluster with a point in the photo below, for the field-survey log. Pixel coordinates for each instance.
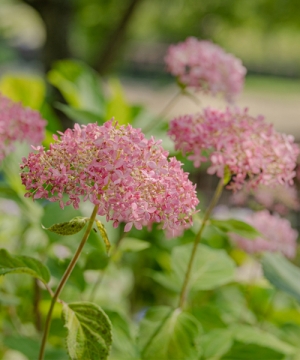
(117, 168)
(205, 66)
(18, 123)
(247, 146)
(278, 235)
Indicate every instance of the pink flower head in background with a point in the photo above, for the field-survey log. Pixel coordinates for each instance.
(207, 67)
(280, 198)
(117, 168)
(277, 235)
(249, 147)
(18, 123)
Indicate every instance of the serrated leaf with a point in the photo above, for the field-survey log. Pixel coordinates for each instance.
(236, 226)
(89, 331)
(282, 273)
(211, 268)
(68, 228)
(103, 233)
(23, 264)
(132, 244)
(169, 334)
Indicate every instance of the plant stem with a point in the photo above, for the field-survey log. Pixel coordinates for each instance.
(194, 98)
(36, 302)
(212, 204)
(64, 280)
(163, 113)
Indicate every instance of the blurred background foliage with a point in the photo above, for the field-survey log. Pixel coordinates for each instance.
(113, 35)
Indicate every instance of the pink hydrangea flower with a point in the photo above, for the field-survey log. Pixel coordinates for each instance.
(247, 146)
(18, 123)
(117, 168)
(278, 235)
(205, 66)
(279, 198)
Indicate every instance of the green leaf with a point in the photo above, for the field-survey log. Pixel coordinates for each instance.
(23, 264)
(89, 331)
(243, 342)
(237, 227)
(216, 343)
(134, 245)
(227, 175)
(80, 116)
(241, 351)
(253, 343)
(30, 90)
(214, 237)
(123, 346)
(169, 334)
(117, 106)
(58, 267)
(252, 335)
(282, 273)
(103, 233)
(68, 228)
(30, 348)
(211, 269)
(79, 84)
(233, 306)
(96, 260)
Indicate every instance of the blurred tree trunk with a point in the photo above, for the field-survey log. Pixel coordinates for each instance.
(56, 15)
(115, 39)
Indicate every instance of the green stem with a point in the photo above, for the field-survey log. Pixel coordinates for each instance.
(194, 98)
(212, 204)
(36, 303)
(163, 113)
(64, 280)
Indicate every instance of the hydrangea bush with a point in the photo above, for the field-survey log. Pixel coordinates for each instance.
(112, 188)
